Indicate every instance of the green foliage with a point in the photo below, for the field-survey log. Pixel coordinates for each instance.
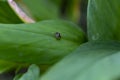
(57, 2)
(72, 10)
(33, 73)
(60, 42)
(6, 65)
(7, 15)
(19, 42)
(39, 9)
(103, 20)
(43, 10)
(91, 61)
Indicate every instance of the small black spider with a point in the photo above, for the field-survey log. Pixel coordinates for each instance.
(57, 35)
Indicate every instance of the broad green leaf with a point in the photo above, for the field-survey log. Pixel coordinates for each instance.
(33, 73)
(103, 19)
(6, 13)
(91, 61)
(42, 43)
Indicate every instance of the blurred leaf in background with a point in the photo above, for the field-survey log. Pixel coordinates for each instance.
(83, 15)
(15, 11)
(73, 10)
(39, 9)
(7, 15)
(57, 2)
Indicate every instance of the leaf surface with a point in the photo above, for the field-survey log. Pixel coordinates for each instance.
(33, 73)
(39, 9)
(103, 19)
(5, 66)
(91, 61)
(38, 43)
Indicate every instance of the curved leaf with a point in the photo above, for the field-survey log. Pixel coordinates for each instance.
(103, 20)
(91, 61)
(33, 73)
(38, 43)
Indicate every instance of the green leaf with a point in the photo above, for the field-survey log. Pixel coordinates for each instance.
(19, 11)
(6, 14)
(91, 61)
(5, 66)
(38, 43)
(103, 20)
(42, 9)
(17, 77)
(33, 73)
